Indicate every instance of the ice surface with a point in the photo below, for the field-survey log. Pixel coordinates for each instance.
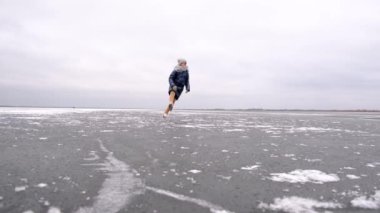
(298, 205)
(304, 176)
(39, 111)
(52, 111)
(371, 202)
(313, 150)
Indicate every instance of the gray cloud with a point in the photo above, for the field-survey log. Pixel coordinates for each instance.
(242, 54)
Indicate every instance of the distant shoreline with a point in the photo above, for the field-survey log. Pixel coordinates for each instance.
(210, 109)
(291, 110)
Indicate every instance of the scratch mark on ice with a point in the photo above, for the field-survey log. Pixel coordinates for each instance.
(213, 208)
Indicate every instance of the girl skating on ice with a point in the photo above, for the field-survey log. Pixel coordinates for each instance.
(178, 79)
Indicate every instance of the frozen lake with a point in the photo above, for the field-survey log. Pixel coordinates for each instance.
(86, 160)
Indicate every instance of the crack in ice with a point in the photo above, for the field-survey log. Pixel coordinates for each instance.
(121, 185)
(117, 189)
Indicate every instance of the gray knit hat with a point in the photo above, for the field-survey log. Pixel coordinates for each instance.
(181, 60)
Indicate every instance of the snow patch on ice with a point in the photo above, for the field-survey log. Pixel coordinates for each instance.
(313, 160)
(194, 171)
(250, 168)
(224, 177)
(54, 210)
(41, 185)
(298, 205)
(93, 156)
(352, 177)
(304, 176)
(348, 168)
(262, 126)
(74, 123)
(20, 188)
(317, 129)
(373, 165)
(371, 202)
(107, 130)
(233, 130)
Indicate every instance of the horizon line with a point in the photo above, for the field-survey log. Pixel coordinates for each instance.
(210, 108)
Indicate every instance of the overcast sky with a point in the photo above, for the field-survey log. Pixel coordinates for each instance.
(322, 54)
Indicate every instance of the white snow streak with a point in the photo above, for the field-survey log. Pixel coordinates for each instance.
(303, 176)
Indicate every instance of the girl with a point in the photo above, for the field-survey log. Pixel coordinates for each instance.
(178, 79)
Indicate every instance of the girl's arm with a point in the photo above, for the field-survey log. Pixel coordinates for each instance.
(188, 83)
(171, 79)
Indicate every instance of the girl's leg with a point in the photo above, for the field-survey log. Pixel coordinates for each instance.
(171, 101)
(171, 98)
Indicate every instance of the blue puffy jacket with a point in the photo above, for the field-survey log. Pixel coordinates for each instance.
(180, 79)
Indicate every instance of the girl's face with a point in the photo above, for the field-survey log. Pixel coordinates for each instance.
(183, 64)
